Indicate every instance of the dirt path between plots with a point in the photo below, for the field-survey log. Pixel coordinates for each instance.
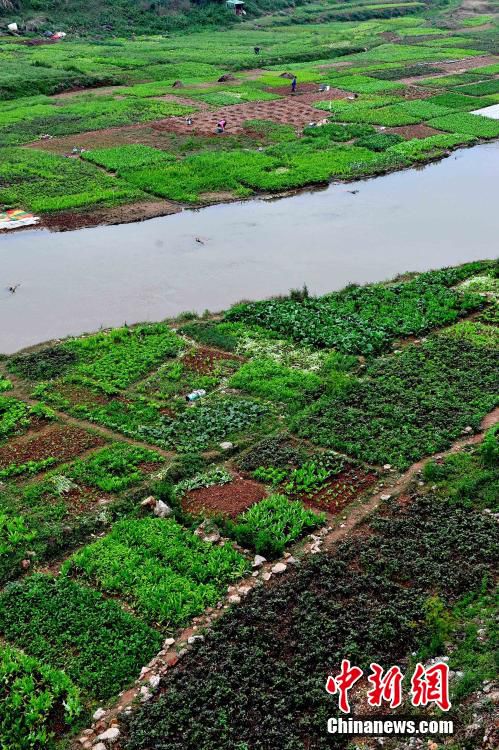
(20, 391)
(325, 539)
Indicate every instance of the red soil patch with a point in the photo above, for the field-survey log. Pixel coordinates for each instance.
(80, 394)
(62, 442)
(293, 110)
(414, 131)
(228, 499)
(341, 490)
(83, 498)
(203, 360)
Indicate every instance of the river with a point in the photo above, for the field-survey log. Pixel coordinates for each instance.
(71, 282)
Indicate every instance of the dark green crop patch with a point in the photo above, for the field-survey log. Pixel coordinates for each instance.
(71, 627)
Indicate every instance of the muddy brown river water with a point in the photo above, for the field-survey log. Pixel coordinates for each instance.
(443, 214)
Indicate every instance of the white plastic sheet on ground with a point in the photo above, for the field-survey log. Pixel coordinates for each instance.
(15, 218)
(492, 112)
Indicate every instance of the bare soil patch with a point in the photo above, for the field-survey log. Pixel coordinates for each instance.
(203, 360)
(414, 131)
(226, 499)
(62, 442)
(126, 135)
(69, 220)
(293, 110)
(454, 66)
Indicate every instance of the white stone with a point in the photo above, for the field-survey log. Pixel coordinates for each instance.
(194, 638)
(169, 642)
(267, 576)
(99, 714)
(387, 467)
(100, 746)
(279, 567)
(244, 590)
(234, 599)
(385, 497)
(154, 681)
(258, 561)
(110, 735)
(162, 510)
(226, 445)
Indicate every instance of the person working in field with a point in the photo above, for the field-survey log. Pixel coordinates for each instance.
(221, 125)
(293, 85)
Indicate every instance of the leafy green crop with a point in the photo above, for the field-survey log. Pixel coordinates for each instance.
(165, 571)
(71, 627)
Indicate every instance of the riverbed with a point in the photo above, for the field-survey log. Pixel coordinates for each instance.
(72, 282)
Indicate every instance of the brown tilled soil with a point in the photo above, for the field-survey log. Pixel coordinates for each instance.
(62, 442)
(128, 134)
(228, 499)
(292, 110)
(67, 220)
(341, 490)
(203, 359)
(414, 131)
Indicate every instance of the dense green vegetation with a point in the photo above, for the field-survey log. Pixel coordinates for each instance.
(285, 640)
(364, 320)
(285, 382)
(165, 571)
(156, 81)
(74, 628)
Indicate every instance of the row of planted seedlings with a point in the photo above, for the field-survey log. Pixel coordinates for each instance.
(150, 575)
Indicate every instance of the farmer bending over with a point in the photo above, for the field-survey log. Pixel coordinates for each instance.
(293, 85)
(221, 125)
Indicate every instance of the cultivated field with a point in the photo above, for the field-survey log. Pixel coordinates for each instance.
(86, 128)
(132, 518)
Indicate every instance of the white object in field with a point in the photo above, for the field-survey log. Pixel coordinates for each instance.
(13, 27)
(194, 395)
(491, 112)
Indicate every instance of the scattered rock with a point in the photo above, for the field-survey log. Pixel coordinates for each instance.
(100, 746)
(169, 642)
(267, 576)
(149, 502)
(99, 714)
(110, 735)
(154, 681)
(385, 497)
(208, 532)
(195, 638)
(25, 564)
(387, 467)
(278, 568)
(258, 561)
(226, 445)
(234, 599)
(162, 510)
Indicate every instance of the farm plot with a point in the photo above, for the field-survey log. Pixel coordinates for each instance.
(410, 562)
(35, 452)
(412, 404)
(166, 572)
(44, 517)
(365, 320)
